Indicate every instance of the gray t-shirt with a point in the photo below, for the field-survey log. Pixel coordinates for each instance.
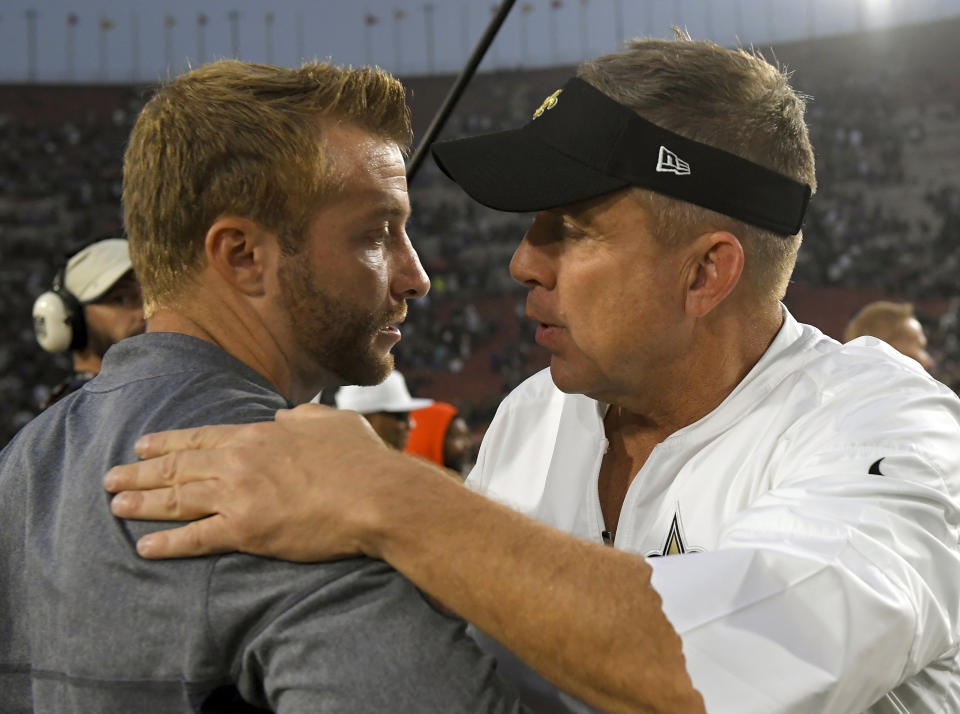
(88, 626)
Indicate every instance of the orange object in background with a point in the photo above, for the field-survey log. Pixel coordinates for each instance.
(430, 430)
(439, 434)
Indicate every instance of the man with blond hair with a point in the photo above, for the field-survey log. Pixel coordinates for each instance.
(704, 504)
(896, 324)
(266, 212)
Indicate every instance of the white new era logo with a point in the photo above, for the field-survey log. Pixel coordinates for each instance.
(669, 163)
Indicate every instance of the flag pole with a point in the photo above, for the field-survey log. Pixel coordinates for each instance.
(555, 6)
(135, 47)
(31, 44)
(584, 54)
(428, 27)
(369, 20)
(72, 20)
(201, 38)
(268, 31)
(398, 15)
(234, 17)
(168, 24)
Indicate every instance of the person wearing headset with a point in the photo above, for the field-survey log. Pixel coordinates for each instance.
(94, 303)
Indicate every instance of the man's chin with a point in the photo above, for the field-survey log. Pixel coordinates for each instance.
(384, 366)
(367, 371)
(566, 379)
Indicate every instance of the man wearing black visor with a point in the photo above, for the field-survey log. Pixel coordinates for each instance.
(707, 506)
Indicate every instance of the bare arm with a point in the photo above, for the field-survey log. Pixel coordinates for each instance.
(584, 616)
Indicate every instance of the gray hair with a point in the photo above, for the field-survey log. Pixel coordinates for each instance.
(731, 99)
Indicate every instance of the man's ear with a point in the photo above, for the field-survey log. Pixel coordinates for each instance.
(714, 269)
(241, 251)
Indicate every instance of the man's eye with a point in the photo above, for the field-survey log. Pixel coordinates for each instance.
(568, 230)
(382, 233)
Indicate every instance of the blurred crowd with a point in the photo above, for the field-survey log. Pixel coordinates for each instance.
(886, 219)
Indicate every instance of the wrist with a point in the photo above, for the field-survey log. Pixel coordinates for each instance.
(396, 501)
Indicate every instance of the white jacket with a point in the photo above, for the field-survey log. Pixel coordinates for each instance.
(817, 511)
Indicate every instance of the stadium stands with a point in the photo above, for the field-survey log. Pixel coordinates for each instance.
(885, 223)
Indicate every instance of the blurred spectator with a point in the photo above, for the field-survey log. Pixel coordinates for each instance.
(885, 220)
(440, 434)
(94, 303)
(895, 324)
(386, 406)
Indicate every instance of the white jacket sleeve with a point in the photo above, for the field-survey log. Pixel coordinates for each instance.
(838, 584)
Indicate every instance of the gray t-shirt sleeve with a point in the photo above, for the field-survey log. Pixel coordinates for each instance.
(350, 636)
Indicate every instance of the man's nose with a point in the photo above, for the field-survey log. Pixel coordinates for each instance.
(529, 265)
(410, 280)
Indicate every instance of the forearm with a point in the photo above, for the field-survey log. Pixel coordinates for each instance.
(583, 615)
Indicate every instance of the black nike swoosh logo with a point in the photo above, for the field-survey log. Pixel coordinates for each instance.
(875, 467)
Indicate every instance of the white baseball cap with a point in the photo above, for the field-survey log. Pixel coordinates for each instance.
(391, 395)
(95, 269)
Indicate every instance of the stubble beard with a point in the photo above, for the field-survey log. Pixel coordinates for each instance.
(338, 337)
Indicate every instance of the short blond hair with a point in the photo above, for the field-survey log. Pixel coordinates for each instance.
(245, 139)
(882, 319)
(730, 99)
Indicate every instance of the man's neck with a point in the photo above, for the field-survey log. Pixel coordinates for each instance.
(717, 357)
(717, 361)
(245, 337)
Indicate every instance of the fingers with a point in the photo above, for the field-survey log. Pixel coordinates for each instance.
(180, 502)
(204, 537)
(174, 468)
(350, 423)
(201, 437)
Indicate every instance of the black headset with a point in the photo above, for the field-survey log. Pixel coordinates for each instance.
(58, 321)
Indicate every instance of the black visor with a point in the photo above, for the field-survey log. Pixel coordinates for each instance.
(582, 144)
